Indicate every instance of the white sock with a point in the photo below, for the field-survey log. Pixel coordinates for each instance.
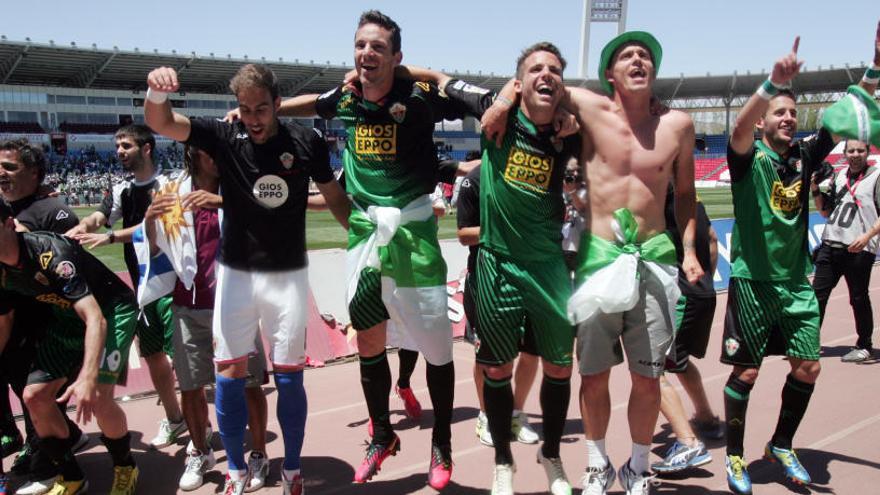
(289, 474)
(237, 475)
(596, 456)
(640, 456)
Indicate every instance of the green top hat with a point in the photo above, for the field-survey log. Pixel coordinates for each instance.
(642, 37)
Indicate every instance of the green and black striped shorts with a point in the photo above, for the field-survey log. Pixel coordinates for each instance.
(765, 318)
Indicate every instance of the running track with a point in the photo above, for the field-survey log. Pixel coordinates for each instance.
(837, 442)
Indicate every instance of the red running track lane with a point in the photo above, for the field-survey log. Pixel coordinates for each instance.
(838, 440)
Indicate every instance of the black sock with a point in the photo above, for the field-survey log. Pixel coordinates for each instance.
(376, 382)
(795, 398)
(407, 366)
(736, 401)
(555, 396)
(58, 452)
(120, 449)
(498, 397)
(441, 386)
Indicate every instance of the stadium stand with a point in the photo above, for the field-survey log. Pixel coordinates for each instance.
(21, 127)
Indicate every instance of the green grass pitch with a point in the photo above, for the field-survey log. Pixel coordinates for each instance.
(323, 232)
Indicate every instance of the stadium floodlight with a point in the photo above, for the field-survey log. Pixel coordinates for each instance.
(599, 11)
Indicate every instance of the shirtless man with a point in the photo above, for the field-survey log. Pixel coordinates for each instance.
(630, 154)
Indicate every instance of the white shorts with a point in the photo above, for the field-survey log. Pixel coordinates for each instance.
(247, 302)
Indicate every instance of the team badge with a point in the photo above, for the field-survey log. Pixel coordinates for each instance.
(66, 269)
(731, 346)
(45, 259)
(557, 144)
(798, 166)
(286, 159)
(398, 112)
(61, 215)
(39, 277)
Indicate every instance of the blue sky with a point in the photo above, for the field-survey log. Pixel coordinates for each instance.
(698, 36)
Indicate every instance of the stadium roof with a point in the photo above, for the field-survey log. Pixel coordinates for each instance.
(40, 64)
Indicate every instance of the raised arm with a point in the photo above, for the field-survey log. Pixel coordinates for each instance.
(784, 70)
(872, 75)
(157, 109)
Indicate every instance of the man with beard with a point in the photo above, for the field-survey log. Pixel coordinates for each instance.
(396, 269)
(262, 275)
(770, 301)
(22, 169)
(135, 146)
(95, 315)
(849, 241)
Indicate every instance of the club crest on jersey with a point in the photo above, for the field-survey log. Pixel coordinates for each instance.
(39, 277)
(287, 159)
(398, 112)
(731, 346)
(45, 259)
(61, 215)
(66, 269)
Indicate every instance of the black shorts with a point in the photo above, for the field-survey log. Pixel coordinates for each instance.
(526, 345)
(694, 318)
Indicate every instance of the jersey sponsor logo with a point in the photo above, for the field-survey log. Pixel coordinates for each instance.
(39, 277)
(66, 269)
(526, 169)
(785, 199)
(398, 112)
(45, 259)
(286, 159)
(731, 346)
(376, 139)
(241, 135)
(54, 299)
(271, 191)
(469, 88)
(61, 215)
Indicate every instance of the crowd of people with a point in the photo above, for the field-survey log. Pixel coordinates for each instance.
(609, 174)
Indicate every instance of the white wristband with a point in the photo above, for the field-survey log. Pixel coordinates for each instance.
(157, 97)
(872, 75)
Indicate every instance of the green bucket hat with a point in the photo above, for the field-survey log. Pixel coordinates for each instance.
(855, 116)
(643, 37)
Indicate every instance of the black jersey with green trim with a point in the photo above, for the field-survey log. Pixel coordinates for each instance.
(37, 213)
(521, 203)
(265, 188)
(389, 156)
(55, 270)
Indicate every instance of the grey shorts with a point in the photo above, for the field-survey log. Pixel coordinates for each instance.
(194, 350)
(645, 333)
